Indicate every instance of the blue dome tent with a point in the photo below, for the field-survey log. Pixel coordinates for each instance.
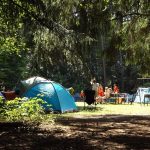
(53, 93)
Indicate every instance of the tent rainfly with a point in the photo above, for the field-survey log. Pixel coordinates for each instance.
(53, 93)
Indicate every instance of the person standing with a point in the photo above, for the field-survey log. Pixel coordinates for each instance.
(116, 93)
(115, 89)
(95, 87)
(100, 92)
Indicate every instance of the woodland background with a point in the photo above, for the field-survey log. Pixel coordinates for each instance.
(72, 41)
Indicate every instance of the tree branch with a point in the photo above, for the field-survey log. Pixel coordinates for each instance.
(49, 23)
(132, 14)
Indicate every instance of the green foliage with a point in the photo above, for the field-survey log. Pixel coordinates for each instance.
(24, 110)
(2, 109)
(146, 84)
(9, 44)
(12, 67)
(13, 48)
(131, 24)
(67, 41)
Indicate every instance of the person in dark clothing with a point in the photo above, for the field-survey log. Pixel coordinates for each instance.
(89, 94)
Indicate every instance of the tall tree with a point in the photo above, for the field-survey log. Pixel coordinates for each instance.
(67, 40)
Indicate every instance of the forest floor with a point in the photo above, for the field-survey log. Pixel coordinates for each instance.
(79, 133)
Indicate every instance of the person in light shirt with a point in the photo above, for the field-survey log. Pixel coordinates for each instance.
(108, 92)
(95, 87)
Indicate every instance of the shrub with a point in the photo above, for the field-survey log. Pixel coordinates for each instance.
(2, 110)
(22, 109)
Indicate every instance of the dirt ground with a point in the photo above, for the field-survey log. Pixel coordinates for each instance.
(79, 133)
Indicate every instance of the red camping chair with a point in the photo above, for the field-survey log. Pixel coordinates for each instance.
(10, 95)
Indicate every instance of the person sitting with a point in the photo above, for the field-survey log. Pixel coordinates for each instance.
(115, 89)
(107, 93)
(100, 94)
(82, 95)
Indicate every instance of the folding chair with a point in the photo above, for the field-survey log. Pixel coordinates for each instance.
(146, 98)
(89, 97)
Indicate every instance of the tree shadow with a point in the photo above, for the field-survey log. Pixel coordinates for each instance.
(114, 131)
(18, 136)
(132, 142)
(100, 132)
(93, 108)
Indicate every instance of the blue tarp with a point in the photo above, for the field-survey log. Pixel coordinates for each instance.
(76, 96)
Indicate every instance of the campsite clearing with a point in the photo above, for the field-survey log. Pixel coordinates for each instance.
(109, 109)
(108, 127)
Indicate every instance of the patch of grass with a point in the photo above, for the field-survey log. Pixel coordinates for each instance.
(111, 109)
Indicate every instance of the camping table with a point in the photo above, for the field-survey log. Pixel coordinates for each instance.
(148, 97)
(116, 96)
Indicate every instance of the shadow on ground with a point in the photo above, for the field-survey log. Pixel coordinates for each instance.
(91, 108)
(80, 133)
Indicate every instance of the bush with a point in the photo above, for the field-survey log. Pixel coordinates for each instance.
(24, 110)
(2, 109)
